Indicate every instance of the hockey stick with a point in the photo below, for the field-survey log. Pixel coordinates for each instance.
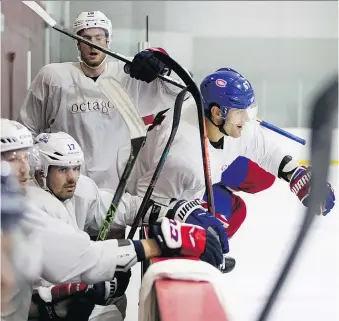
(123, 103)
(169, 62)
(175, 124)
(193, 89)
(52, 23)
(325, 111)
(281, 131)
(229, 262)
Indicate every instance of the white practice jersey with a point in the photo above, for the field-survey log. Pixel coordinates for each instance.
(65, 254)
(87, 209)
(182, 176)
(62, 98)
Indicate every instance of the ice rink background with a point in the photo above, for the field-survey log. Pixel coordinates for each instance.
(260, 247)
(285, 48)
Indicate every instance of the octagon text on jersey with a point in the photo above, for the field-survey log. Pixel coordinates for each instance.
(91, 106)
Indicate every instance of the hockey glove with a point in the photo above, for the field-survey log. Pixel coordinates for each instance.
(193, 212)
(145, 66)
(80, 296)
(179, 239)
(55, 298)
(106, 293)
(300, 184)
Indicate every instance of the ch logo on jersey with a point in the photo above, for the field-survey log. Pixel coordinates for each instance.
(102, 107)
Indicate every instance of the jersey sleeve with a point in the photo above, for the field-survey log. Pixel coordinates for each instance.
(263, 150)
(180, 176)
(127, 211)
(246, 176)
(37, 112)
(150, 98)
(98, 201)
(68, 255)
(101, 199)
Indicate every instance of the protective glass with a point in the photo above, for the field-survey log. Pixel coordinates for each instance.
(241, 116)
(19, 159)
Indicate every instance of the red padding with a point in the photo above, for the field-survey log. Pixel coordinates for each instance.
(188, 300)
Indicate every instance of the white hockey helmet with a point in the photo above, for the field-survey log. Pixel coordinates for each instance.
(58, 149)
(14, 136)
(93, 19)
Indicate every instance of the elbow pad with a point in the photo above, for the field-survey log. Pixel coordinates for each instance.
(287, 166)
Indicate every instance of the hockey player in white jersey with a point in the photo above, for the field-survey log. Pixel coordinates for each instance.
(59, 253)
(67, 97)
(242, 157)
(12, 211)
(63, 193)
(59, 190)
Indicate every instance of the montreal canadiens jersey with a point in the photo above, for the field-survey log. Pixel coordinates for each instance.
(182, 176)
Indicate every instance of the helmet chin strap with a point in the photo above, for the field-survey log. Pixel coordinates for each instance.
(93, 68)
(220, 127)
(44, 181)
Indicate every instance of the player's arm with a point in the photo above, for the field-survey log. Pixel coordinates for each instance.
(179, 181)
(187, 212)
(146, 67)
(247, 176)
(299, 180)
(241, 175)
(150, 93)
(167, 238)
(171, 185)
(37, 112)
(70, 255)
(261, 149)
(276, 161)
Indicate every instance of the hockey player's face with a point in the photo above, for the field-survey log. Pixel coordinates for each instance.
(19, 165)
(62, 181)
(235, 121)
(91, 56)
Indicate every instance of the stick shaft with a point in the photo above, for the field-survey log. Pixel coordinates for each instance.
(281, 131)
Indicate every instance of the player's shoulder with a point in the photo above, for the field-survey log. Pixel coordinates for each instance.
(115, 69)
(186, 148)
(38, 194)
(86, 188)
(44, 200)
(85, 181)
(189, 135)
(56, 73)
(113, 65)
